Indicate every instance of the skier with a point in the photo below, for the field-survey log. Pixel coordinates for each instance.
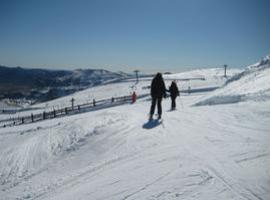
(133, 97)
(174, 93)
(158, 91)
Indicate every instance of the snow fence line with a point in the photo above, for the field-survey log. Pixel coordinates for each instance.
(71, 110)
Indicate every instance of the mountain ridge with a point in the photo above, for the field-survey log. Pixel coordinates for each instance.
(46, 84)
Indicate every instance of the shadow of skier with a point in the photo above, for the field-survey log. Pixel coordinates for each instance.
(152, 124)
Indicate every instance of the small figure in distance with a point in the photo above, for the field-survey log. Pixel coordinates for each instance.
(158, 91)
(174, 92)
(133, 97)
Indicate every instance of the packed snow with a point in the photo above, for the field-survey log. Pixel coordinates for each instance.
(194, 152)
(252, 84)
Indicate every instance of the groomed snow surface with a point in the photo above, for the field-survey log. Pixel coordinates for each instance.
(195, 152)
(251, 84)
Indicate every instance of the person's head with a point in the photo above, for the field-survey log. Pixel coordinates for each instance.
(159, 75)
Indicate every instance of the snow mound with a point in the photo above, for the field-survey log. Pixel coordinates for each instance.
(44, 144)
(251, 84)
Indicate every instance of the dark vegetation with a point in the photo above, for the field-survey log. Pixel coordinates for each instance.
(41, 85)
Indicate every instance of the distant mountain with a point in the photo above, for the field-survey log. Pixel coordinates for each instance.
(42, 84)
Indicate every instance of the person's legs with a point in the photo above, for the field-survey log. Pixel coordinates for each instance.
(173, 103)
(152, 110)
(159, 107)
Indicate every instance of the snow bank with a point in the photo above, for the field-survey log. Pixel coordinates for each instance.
(251, 84)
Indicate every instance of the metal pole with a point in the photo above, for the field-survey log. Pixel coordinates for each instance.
(137, 75)
(181, 103)
(225, 70)
(72, 103)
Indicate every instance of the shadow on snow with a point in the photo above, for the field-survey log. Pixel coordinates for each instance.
(151, 124)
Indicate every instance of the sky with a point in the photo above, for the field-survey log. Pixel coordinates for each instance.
(149, 35)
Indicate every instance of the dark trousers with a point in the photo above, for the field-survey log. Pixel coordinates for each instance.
(173, 102)
(155, 101)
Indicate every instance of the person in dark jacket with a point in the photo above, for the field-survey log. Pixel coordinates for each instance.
(174, 93)
(158, 91)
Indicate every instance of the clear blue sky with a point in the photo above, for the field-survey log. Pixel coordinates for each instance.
(127, 34)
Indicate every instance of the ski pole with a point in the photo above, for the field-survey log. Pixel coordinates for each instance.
(181, 103)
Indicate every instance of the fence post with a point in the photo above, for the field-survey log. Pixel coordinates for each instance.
(44, 115)
(22, 120)
(32, 117)
(54, 113)
(94, 102)
(66, 111)
(79, 107)
(112, 99)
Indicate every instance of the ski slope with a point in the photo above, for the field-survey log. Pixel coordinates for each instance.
(251, 84)
(195, 152)
(204, 78)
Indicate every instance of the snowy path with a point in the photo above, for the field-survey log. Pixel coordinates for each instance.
(211, 152)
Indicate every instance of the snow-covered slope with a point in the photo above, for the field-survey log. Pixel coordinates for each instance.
(252, 84)
(203, 78)
(194, 153)
(209, 73)
(6, 104)
(213, 77)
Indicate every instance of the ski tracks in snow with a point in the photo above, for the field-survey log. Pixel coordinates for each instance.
(216, 163)
(59, 147)
(110, 156)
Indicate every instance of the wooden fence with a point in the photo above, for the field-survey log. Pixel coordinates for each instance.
(75, 109)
